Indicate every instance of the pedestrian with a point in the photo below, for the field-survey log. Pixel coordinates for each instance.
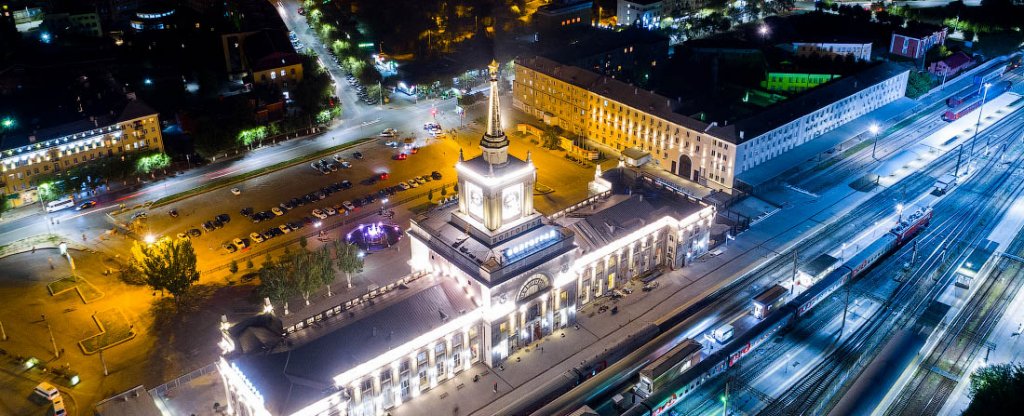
(33, 248)
(541, 350)
(495, 386)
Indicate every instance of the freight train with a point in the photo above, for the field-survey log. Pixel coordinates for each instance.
(714, 364)
(973, 104)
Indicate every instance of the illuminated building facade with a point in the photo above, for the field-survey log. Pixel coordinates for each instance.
(135, 129)
(493, 276)
(717, 154)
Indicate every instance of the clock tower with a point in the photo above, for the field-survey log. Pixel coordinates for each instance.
(495, 189)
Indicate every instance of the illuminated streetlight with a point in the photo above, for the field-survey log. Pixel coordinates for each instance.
(899, 211)
(149, 239)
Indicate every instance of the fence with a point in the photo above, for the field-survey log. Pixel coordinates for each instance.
(584, 203)
(161, 390)
(351, 303)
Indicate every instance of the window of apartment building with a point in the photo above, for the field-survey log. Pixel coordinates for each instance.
(421, 367)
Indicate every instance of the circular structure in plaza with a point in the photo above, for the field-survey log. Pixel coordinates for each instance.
(374, 236)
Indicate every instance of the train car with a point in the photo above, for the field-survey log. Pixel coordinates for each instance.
(679, 359)
(767, 301)
(963, 95)
(961, 110)
(661, 401)
(1013, 62)
(989, 75)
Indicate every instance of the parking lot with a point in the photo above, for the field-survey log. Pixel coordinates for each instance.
(302, 193)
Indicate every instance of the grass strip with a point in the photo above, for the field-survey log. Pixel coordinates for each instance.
(230, 180)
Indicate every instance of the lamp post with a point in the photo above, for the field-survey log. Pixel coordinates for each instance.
(977, 126)
(873, 129)
(899, 213)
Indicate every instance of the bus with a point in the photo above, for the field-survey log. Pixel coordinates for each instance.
(60, 204)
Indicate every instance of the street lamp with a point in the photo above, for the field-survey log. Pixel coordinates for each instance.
(899, 211)
(977, 126)
(873, 129)
(149, 239)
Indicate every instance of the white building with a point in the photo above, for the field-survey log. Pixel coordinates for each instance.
(492, 276)
(861, 51)
(646, 13)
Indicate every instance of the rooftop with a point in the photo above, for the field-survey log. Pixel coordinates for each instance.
(623, 214)
(269, 48)
(301, 372)
(132, 109)
(957, 59)
(571, 45)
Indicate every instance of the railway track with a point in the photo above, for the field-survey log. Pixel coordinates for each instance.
(912, 186)
(822, 385)
(896, 142)
(931, 384)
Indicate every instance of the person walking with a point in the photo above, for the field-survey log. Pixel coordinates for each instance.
(495, 386)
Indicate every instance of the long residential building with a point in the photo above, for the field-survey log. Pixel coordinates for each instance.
(23, 158)
(713, 154)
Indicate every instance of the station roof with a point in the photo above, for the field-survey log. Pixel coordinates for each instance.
(623, 214)
(297, 374)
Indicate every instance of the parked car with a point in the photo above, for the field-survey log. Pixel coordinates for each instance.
(277, 211)
(224, 218)
(46, 391)
(285, 229)
(357, 155)
(194, 232)
(404, 186)
(236, 191)
(436, 175)
(649, 286)
(348, 205)
(319, 214)
(330, 211)
(230, 247)
(256, 237)
(246, 212)
(239, 243)
(208, 226)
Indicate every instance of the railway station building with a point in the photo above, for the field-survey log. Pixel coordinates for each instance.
(492, 276)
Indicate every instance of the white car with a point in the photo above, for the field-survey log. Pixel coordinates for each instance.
(277, 211)
(345, 164)
(330, 211)
(337, 157)
(319, 214)
(257, 237)
(239, 243)
(284, 228)
(47, 391)
(236, 191)
(404, 186)
(391, 144)
(413, 184)
(348, 206)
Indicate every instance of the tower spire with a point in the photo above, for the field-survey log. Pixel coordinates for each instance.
(494, 143)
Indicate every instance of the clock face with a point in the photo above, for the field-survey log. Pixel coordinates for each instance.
(512, 202)
(475, 200)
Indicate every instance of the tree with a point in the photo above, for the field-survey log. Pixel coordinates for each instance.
(918, 84)
(430, 196)
(152, 162)
(551, 137)
(233, 267)
(444, 191)
(303, 242)
(996, 390)
(248, 264)
(275, 283)
(166, 265)
(349, 259)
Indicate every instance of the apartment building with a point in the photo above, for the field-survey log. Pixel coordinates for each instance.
(136, 128)
(711, 153)
(860, 51)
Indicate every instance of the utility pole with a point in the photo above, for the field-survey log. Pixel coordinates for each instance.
(846, 305)
(3, 334)
(796, 256)
(102, 361)
(725, 400)
(959, 154)
(53, 342)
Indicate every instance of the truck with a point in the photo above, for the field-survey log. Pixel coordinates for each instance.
(944, 184)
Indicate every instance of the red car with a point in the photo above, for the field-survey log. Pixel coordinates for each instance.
(401, 156)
